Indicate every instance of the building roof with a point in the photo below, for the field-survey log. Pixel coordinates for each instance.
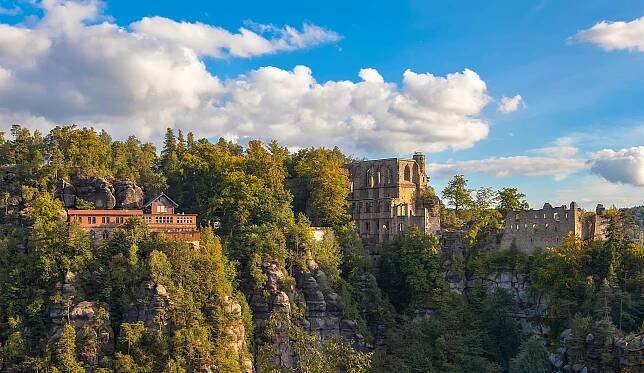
(159, 196)
(104, 212)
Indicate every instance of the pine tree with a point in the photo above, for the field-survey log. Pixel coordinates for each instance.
(66, 351)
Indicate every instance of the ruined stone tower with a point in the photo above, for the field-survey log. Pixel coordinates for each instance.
(387, 198)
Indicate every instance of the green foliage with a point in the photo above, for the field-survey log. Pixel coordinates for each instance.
(457, 194)
(320, 185)
(532, 358)
(66, 351)
(510, 199)
(82, 204)
(410, 270)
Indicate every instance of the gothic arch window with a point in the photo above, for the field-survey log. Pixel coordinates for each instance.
(407, 173)
(416, 173)
(92, 234)
(388, 177)
(378, 178)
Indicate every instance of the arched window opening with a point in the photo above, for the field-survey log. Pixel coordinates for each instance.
(416, 173)
(407, 173)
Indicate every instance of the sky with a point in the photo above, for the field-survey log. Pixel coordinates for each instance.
(546, 96)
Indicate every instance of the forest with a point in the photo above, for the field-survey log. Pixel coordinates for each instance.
(241, 301)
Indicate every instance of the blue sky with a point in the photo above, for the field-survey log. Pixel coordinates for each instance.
(580, 94)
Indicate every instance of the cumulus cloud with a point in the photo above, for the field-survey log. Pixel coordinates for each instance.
(510, 104)
(615, 35)
(624, 166)
(558, 167)
(218, 42)
(75, 65)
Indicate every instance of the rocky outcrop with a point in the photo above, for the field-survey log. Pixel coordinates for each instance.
(128, 195)
(322, 310)
(94, 333)
(598, 354)
(236, 332)
(151, 306)
(531, 305)
(122, 194)
(324, 316)
(98, 191)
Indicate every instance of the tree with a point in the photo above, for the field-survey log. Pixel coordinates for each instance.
(510, 199)
(457, 194)
(320, 185)
(410, 270)
(66, 351)
(533, 358)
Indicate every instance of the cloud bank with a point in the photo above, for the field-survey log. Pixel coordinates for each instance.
(615, 35)
(558, 167)
(75, 65)
(624, 166)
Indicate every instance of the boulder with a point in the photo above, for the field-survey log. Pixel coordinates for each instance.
(98, 191)
(128, 195)
(67, 194)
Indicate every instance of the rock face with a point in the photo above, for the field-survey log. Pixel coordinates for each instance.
(152, 306)
(311, 292)
(128, 195)
(599, 354)
(98, 191)
(67, 193)
(236, 332)
(94, 333)
(102, 194)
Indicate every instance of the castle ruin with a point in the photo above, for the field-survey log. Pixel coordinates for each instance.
(388, 196)
(548, 227)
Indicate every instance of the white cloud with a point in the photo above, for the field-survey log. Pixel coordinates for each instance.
(558, 167)
(510, 104)
(218, 42)
(86, 69)
(589, 190)
(620, 166)
(615, 35)
(562, 147)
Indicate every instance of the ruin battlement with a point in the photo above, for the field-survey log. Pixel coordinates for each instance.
(549, 226)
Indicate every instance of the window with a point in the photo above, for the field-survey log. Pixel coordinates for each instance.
(407, 173)
(163, 219)
(106, 235)
(91, 219)
(555, 216)
(105, 219)
(92, 235)
(120, 220)
(147, 219)
(546, 225)
(366, 226)
(401, 227)
(162, 208)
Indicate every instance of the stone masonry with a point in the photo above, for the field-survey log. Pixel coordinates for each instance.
(387, 199)
(549, 226)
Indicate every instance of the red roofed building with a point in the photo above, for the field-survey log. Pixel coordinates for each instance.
(159, 215)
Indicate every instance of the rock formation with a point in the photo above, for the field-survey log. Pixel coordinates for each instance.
(598, 353)
(128, 195)
(122, 194)
(94, 334)
(152, 306)
(273, 307)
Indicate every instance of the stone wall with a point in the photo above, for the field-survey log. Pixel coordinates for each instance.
(387, 199)
(549, 226)
(546, 227)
